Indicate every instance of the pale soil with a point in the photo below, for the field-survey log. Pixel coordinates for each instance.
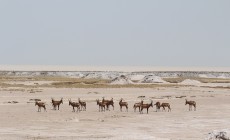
(29, 83)
(22, 121)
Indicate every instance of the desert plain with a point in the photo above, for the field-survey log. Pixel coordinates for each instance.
(21, 120)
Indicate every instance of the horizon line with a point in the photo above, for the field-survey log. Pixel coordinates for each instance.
(110, 68)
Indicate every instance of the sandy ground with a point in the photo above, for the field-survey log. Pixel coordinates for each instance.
(22, 121)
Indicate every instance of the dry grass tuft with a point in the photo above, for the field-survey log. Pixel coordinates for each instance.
(203, 80)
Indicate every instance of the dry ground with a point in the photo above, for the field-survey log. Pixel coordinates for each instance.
(68, 82)
(22, 121)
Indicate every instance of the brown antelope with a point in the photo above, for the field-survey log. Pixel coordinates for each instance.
(74, 104)
(40, 105)
(123, 104)
(158, 106)
(146, 106)
(191, 103)
(101, 105)
(108, 103)
(56, 103)
(164, 105)
(83, 104)
(137, 105)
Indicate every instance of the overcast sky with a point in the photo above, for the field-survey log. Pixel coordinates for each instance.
(118, 32)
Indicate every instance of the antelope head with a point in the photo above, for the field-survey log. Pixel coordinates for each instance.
(97, 101)
(142, 101)
(69, 101)
(151, 104)
(62, 100)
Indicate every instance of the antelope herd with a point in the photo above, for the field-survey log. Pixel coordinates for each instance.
(108, 103)
(138, 105)
(191, 103)
(146, 106)
(123, 104)
(40, 105)
(105, 104)
(56, 103)
(74, 104)
(101, 105)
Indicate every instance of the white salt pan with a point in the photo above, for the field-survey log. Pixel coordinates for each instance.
(152, 79)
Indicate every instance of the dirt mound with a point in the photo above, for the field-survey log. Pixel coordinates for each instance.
(122, 80)
(136, 77)
(102, 75)
(152, 79)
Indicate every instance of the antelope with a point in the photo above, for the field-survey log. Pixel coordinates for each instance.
(40, 104)
(137, 105)
(101, 105)
(56, 103)
(158, 106)
(83, 104)
(74, 104)
(108, 103)
(191, 103)
(164, 105)
(123, 104)
(146, 106)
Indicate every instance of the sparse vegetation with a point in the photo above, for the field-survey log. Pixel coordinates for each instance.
(67, 82)
(202, 80)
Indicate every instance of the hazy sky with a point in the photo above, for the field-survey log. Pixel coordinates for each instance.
(118, 32)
